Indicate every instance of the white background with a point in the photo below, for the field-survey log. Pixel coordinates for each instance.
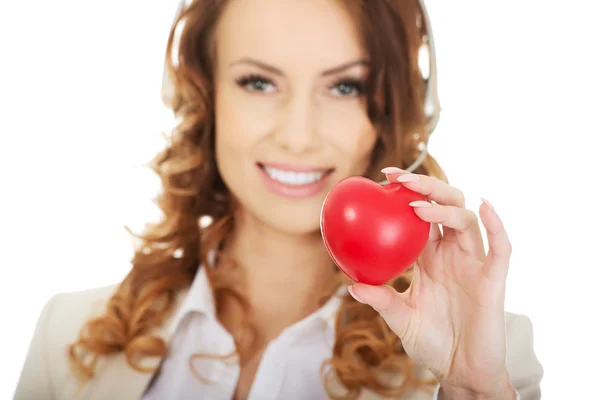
(80, 112)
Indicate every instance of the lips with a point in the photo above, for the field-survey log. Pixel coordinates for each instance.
(294, 175)
(295, 168)
(294, 180)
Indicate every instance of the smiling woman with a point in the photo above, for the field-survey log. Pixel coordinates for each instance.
(293, 111)
(277, 101)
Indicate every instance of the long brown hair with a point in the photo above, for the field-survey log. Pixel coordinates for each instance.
(171, 251)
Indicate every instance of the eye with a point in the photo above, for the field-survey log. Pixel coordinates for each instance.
(256, 83)
(348, 87)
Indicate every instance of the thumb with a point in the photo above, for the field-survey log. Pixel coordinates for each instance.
(390, 304)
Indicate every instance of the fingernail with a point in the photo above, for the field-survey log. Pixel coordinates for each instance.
(487, 203)
(421, 204)
(408, 178)
(354, 295)
(392, 170)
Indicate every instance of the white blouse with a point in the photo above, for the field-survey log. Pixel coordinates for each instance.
(289, 368)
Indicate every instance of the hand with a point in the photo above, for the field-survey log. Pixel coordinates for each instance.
(451, 319)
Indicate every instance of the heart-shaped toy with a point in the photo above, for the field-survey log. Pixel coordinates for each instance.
(370, 231)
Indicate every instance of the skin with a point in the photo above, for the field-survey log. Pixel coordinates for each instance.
(295, 113)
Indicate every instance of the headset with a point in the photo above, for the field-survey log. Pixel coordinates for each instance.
(431, 104)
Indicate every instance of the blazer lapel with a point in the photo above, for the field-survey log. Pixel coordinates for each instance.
(115, 379)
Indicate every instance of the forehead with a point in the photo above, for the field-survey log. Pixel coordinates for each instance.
(287, 32)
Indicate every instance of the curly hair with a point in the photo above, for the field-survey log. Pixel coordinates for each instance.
(171, 251)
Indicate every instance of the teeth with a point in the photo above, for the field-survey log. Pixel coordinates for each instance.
(293, 178)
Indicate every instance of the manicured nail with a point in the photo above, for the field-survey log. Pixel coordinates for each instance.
(420, 204)
(392, 170)
(354, 295)
(408, 178)
(487, 203)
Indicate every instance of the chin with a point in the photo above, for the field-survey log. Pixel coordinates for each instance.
(296, 221)
(282, 197)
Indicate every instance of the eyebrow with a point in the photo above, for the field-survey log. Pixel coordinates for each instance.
(277, 71)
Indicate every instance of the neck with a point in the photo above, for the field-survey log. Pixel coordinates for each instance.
(285, 274)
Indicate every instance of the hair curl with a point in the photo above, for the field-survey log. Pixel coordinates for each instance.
(171, 251)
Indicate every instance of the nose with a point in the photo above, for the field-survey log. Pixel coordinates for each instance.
(297, 132)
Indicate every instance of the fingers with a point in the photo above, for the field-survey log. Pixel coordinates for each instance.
(392, 305)
(435, 233)
(463, 223)
(432, 188)
(393, 173)
(460, 225)
(500, 248)
(459, 219)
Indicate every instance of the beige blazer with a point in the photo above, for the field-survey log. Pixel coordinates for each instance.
(46, 374)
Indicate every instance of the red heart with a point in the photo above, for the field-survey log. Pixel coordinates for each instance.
(370, 231)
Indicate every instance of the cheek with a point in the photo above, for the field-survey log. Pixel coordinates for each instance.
(241, 122)
(230, 138)
(239, 128)
(349, 129)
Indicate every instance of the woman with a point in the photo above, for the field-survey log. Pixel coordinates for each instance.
(277, 100)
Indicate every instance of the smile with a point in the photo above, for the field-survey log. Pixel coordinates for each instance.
(294, 178)
(294, 181)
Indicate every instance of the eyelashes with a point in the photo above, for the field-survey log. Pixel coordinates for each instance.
(256, 83)
(349, 87)
(345, 87)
